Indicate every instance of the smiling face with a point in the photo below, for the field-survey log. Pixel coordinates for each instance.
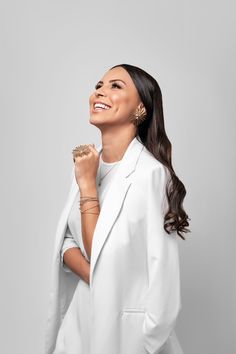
(118, 98)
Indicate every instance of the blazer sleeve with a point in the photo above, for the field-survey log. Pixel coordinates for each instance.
(163, 301)
(68, 242)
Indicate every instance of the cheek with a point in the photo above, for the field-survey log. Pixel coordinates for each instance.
(91, 98)
(121, 102)
(119, 97)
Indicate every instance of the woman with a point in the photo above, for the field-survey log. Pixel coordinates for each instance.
(115, 271)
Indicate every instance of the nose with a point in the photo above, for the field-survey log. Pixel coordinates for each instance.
(99, 92)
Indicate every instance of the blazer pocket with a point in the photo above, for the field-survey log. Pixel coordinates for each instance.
(132, 341)
(133, 310)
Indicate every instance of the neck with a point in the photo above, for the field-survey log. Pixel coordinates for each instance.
(114, 147)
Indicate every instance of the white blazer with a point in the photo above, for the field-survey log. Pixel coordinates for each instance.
(134, 265)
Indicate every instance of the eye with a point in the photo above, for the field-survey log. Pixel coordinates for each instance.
(97, 86)
(116, 85)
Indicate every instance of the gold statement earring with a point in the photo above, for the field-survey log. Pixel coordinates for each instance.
(139, 116)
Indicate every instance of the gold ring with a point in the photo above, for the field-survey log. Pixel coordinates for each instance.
(81, 150)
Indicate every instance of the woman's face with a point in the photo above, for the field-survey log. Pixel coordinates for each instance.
(117, 91)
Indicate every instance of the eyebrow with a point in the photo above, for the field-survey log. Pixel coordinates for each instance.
(101, 82)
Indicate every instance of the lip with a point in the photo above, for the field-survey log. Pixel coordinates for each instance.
(101, 103)
(101, 109)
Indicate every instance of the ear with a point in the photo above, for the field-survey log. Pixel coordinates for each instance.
(141, 106)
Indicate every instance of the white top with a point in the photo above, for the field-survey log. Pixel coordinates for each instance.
(105, 173)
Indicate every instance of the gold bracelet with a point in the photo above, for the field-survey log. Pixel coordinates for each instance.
(83, 211)
(82, 203)
(90, 207)
(87, 199)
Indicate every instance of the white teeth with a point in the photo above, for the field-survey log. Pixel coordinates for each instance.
(101, 105)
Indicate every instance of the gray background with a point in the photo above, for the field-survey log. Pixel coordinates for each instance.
(52, 54)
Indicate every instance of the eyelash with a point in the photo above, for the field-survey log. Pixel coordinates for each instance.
(98, 85)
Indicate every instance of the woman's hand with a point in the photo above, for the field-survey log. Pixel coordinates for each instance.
(86, 167)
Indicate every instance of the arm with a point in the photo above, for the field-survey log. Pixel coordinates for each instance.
(76, 261)
(89, 221)
(72, 257)
(163, 294)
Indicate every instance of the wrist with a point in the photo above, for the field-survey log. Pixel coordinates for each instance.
(88, 188)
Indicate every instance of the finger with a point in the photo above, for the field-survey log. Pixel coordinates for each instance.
(79, 154)
(89, 151)
(92, 148)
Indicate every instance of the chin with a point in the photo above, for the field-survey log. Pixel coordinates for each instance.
(96, 122)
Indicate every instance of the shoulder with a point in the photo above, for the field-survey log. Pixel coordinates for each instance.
(149, 182)
(148, 165)
(150, 174)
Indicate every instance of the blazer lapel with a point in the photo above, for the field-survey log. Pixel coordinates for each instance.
(114, 199)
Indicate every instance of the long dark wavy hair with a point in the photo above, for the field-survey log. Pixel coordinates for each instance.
(153, 136)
